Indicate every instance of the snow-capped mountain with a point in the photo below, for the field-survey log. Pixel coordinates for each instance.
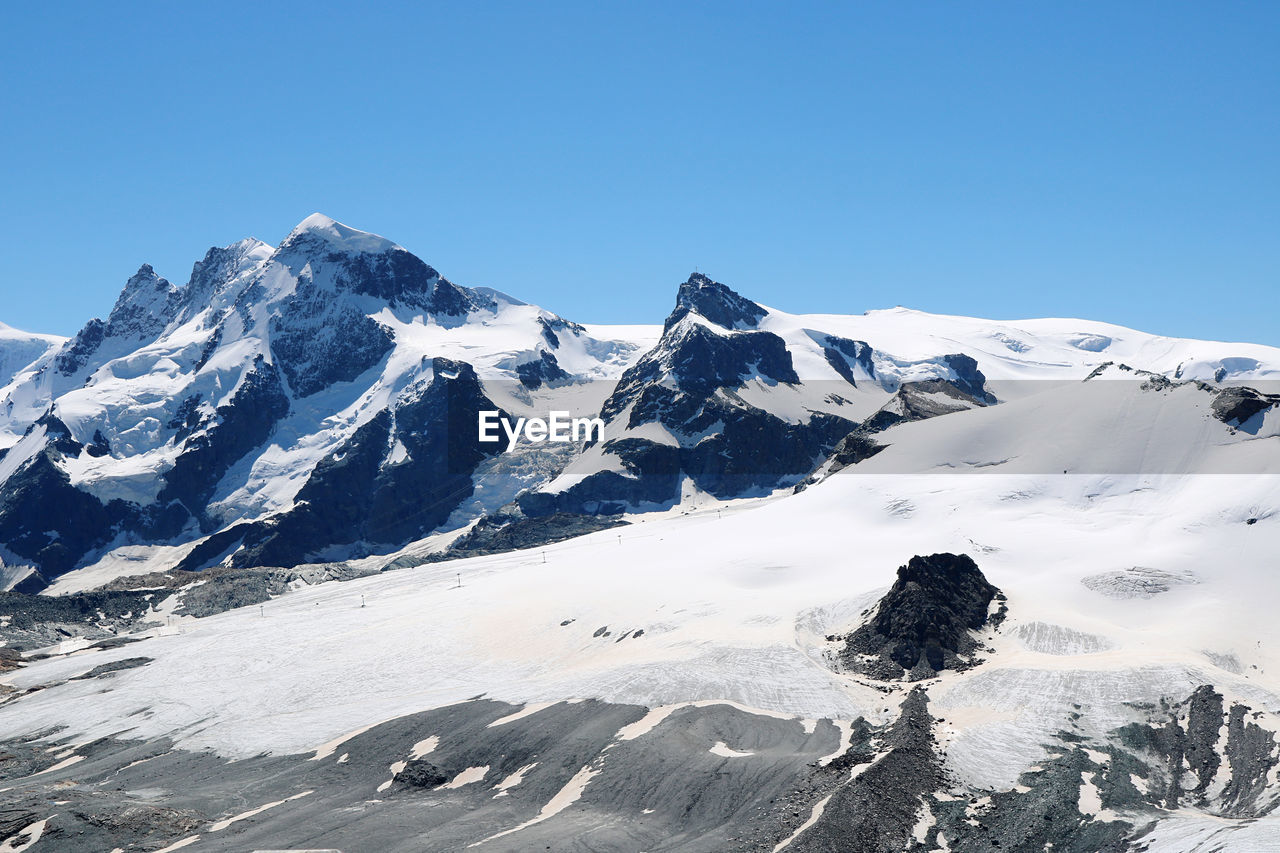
(197, 408)
(894, 581)
(288, 405)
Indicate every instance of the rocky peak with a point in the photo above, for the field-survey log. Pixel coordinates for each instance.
(968, 378)
(220, 265)
(213, 275)
(715, 302)
(1237, 405)
(143, 306)
(923, 624)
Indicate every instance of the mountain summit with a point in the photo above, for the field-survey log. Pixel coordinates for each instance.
(715, 302)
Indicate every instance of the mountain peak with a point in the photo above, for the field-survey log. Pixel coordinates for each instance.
(144, 281)
(249, 245)
(715, 302)
(319, 227)
(143, 308)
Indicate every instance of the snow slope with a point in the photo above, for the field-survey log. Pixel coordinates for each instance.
(18, 349)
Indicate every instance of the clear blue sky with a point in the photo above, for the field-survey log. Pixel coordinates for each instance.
(1116, 161)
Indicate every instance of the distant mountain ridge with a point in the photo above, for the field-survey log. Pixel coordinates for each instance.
(316, 401)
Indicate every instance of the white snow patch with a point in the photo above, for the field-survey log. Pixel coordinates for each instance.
(33, 833)
(814, 817)
(513, 780)
(220, 825)
(567, 796)
(725, 752)
(424, 747)
(527, 711)
(468, 777)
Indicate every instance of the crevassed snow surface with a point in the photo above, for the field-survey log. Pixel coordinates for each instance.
(726, 602)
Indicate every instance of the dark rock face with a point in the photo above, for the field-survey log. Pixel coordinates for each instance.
(77, 352)
(1251, 752)
(855, 447)
(50, 522)
(420, 773)
(114, 667)
(393, 275)
(533, 374)
(968, 378)
(315, 355)
(755, 450)
(438, 430)
(1044, 813)
(144, 308)
(1204, 719)
(558, 324)
(653, 477)
(186, 419)
(1175, 761)
(238, 427)
(36, 621)
(402, 278)
(58, 435)
(211, 345)
(358, 494)
(216, 547)
(725, 445)
(700, 361)
(1235, 406)
(100, 446)
(703, 360)
(716, 302)
(843, 354)
(913, 401)
(876, 812)
(1188, 743)
(13, 822)
(321, 336)
(922, 624)
(211, 274)
(495, 534)
(918, 401)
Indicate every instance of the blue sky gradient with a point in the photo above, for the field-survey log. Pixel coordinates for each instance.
(1115, 161)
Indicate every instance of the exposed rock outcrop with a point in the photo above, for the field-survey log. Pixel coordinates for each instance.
(925, 623)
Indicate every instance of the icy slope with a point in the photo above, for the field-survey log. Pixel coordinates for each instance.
(18, 349)
(733, 604)
(20, 355)
(1123, 592)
